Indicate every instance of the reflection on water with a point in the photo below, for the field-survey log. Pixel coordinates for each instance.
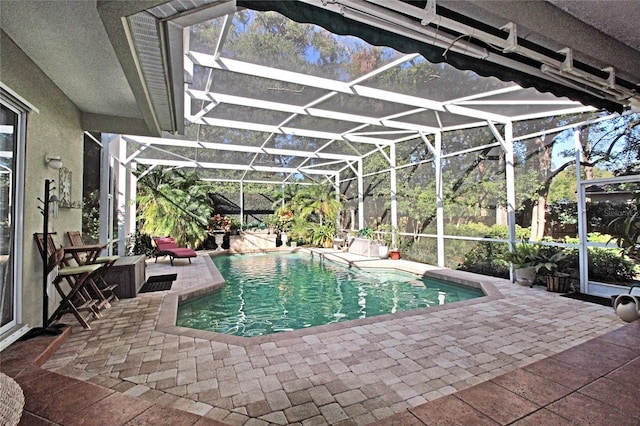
(270, 293)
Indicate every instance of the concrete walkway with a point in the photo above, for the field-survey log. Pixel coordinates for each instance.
(352, 373)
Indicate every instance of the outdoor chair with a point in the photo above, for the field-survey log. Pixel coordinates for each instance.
(92, 255)
(75, 297)
(90, 290)
(166, 246)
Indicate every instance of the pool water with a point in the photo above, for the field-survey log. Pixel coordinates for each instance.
(273, 292)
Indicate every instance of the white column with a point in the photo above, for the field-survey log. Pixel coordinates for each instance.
(510, 185)
(337, 188)
(583, 254)
(439, 198)
(130, 213)
(106, 191)
(393, 192)
(121, 195)
(241, 203)
(360, 196)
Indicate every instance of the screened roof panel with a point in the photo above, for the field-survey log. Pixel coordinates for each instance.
(439, 82)
(522, 128)
(321, 124)
(452, 120)
(229, 135)
(294, 100)
(256, 175)
(250, 86)
(425, 118)
(469, 138)
(382, 134)
(270, 39)
(516, 110)
(413, 151)
(219, 174)
(347, 148)
(352, 104)
(248, 114)
(295, 142)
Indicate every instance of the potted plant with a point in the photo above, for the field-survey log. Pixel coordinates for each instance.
(547, 263)
(281, 221)
(523, 257)
(384, 238)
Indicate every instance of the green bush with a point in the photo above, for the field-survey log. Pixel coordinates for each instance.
(487, 258)
(606, 264)
(139, 243)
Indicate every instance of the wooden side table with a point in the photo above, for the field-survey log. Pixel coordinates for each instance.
(129, 273)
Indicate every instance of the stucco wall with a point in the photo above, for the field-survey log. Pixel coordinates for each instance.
(55, 130)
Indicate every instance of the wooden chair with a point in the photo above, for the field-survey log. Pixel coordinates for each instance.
(90, 290)
(93, 257)
(75, 297)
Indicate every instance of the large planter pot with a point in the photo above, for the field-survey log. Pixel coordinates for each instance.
(219, 239)
(626, 307)
(558, 283)
(383, 252)
(284, 238)
(525, 276)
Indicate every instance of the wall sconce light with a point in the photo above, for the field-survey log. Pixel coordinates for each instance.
(53, 161)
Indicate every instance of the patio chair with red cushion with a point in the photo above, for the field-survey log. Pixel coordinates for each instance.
(166, 246)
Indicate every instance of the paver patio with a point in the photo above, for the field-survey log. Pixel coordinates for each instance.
(355, 372)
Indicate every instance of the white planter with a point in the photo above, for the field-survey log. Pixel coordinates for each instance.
(219, 239)
(284, 238)
(525, 276)
(383, 252)
(626, 307)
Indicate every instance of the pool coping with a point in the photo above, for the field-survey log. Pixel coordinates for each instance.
(167, 316)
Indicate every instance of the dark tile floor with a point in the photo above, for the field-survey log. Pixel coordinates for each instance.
(595, 383)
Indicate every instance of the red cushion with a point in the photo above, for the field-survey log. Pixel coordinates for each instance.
(182, 252)
(161, 240)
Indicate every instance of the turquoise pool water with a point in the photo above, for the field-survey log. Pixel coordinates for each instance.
(271, 293)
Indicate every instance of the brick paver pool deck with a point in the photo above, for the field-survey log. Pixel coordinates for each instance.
(518, 356)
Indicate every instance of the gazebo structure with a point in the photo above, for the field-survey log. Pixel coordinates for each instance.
(291, 114)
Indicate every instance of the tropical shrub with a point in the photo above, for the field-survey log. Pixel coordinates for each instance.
(606, 264)
(139, 243)
(522, 255)
(175, 203)
(323, 235)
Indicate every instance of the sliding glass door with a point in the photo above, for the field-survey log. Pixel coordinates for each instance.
(11, 132)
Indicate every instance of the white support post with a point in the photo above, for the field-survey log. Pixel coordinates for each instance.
(437, 153)
(393, 184)
(360, 196)
(337, 188)
(241, 204)
(510, 186)
(130, 212)
(106, 191)
(583, 254)
(121, 198)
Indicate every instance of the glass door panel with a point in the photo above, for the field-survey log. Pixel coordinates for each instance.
(8, 144)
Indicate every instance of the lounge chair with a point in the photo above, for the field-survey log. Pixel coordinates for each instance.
(166, 246)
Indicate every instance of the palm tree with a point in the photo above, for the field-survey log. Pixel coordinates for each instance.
(317, 200)
(174, 203)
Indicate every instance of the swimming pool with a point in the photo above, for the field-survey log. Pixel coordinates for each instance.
(272, 292)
